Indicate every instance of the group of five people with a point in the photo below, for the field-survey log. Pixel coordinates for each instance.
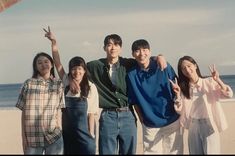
(121, 88)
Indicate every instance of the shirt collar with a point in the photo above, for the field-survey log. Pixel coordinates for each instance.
(43, 80)
(198, 84)
(152, 65)
(117, 64)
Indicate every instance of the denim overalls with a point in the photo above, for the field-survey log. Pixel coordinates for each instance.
(77, 138)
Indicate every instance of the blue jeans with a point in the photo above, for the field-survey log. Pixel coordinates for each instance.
(50, 149)
(77, 138)
(117, 133)
(202, 138)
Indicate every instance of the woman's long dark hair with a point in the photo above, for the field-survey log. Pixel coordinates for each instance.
(183, 80)
(84, 85)
(35, 70)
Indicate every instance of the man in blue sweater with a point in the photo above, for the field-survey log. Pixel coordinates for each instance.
(150, 91)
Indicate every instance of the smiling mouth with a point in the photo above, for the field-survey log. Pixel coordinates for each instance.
(45, 68)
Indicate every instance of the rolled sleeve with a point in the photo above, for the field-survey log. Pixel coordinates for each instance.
(93, 99)
(21, 99)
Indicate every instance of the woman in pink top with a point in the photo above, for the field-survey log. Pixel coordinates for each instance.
(198, 103)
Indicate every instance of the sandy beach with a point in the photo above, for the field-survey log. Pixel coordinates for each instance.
(10, 136)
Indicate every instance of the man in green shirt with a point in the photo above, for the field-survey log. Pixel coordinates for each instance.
(117, 123)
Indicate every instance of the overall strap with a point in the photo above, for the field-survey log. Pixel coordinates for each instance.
(66, 90)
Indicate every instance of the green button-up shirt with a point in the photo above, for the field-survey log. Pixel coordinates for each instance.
(110, 95)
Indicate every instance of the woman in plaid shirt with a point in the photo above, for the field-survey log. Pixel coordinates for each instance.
(41, 99)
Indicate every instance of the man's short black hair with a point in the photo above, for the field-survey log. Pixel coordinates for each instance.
(113, 37)
(138, 44)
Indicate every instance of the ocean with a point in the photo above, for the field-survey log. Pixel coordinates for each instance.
(9, 92)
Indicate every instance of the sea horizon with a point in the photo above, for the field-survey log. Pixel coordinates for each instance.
(224, 75)
(9, 92)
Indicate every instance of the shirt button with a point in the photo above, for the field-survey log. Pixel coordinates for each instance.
(119, 99)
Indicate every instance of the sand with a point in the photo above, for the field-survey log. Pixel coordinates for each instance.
(10, 136)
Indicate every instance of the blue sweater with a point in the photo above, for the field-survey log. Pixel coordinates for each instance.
(152, 92)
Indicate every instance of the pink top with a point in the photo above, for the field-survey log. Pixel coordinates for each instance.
(210, 93)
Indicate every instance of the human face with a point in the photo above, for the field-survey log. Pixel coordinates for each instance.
(142, 56)
(189, 69)
(113, 50)
(77, 73)
(44, 66)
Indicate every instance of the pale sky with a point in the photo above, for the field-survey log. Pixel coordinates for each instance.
(203, 29)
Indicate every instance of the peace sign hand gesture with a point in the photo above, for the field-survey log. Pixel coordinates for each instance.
(214, 73)
(177, 102)
(175, 87)
(49, 34)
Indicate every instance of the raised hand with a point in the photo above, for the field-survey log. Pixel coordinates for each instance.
(175, 87)
(49, 34)
(214, 73)
(178, 103)
(215, 76)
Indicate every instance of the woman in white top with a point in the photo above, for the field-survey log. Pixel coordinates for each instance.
(199, 106)
(78, 118)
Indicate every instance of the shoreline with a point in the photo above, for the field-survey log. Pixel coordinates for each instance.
(4, 107)
(10, 136)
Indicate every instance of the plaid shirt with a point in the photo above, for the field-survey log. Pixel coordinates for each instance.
(40, 102)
